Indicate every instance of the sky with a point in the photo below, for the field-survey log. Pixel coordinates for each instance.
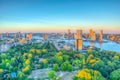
(59, 15)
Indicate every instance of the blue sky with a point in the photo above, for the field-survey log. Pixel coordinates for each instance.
(104, 14)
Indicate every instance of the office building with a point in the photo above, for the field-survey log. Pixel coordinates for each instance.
(45, 36)
(29, 36)
(69, 34)
(7, 34)
(100, 35)
(78, 44)
(14, 35)
(79, 34)
(93, 36)
(78, 40)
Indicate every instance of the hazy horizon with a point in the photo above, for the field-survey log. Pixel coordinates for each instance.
(59, 16)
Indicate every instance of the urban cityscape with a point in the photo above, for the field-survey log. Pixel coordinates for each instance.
(34, 47)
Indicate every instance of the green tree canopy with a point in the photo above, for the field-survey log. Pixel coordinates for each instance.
(88, 74)
(115, 75)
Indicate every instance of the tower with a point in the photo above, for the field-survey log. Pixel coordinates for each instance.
(44, 36)
(6, 34)
(79, 44)
(0, 35)
(100, 35)
(78, 40)
(29, 36)
(93, 36)
(79, 34)
(69, 34)
(90, 32)
(14, 35)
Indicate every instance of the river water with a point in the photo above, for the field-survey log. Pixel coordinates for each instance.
(108, 45)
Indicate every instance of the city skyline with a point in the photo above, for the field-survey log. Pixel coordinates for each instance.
(58, 16)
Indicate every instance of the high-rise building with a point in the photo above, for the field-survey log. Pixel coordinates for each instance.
(44, 36)
(93, 36)
(22, 40)
(14, 35)
(112, 37)
(90, 32)
(75, 36)
(79, 44)
(69, 34)
(0, 35)
(100, 35)
(79, 34)
(63, 35)
(6, 34)
(19, 34)
(78, 40)
(29, 36)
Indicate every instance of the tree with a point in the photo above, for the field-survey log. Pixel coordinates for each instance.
(66, 66)
(115, 75)
(88, 74)
(65, 57)
(44, 51)
(69, 67)
(32, 50)
(55, 67)
(76, 62)
(59, 59)
(3, 56)
(26, 69)
(38, 51)
(21, 76)
(52, 75)
(59, 54)
(30, 55)
(45, 61)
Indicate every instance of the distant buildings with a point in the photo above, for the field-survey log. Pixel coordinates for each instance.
(29, 36)
(22, 41)
(45, 36)
(6, 34)
(0, 35)
(78, 40)
(112, 37)
(69, 34)
(66, 47)
(14, 35)
(75, 36)
(19, 34)
(90, 32)
(92, 35)
(100, 35)
(63, 35)
(118, 40)
(78, 44)
(79, 34)
(86, 35)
